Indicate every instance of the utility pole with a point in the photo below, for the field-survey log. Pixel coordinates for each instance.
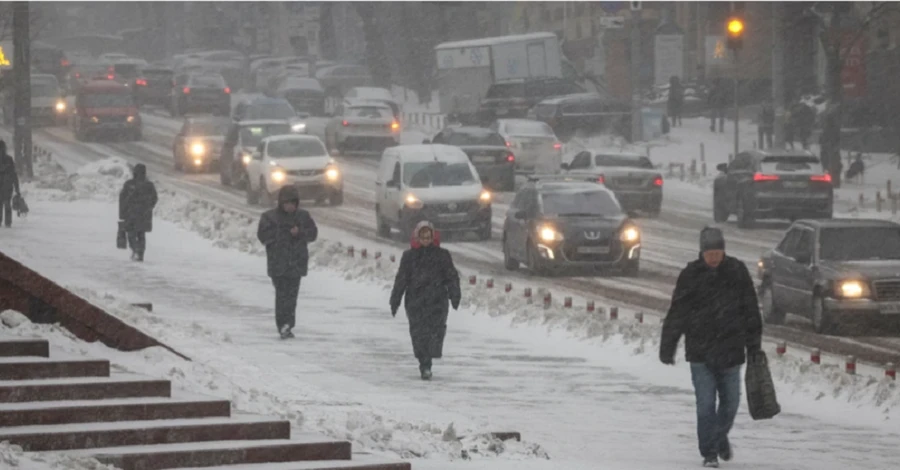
(778, 72)
(637, 127)
(22, 91)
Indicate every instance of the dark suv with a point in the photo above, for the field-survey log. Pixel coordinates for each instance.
(772, 184)
(832, 271)
(587, 113)
(513, 98)
(557, 224)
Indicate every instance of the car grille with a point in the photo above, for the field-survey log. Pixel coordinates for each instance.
(453, 207)
(112, 119)
(887, 290)
(305, 172)
(570, 251)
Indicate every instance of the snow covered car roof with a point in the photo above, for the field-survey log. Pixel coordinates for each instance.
(372, 93)
(273, 138)
(301, 83)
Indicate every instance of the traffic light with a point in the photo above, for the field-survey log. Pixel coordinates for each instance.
(734, 31)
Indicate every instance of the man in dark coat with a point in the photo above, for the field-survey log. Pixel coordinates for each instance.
(675, 103)
(9, 182)
(765, 126)
(430, 281)
(286, 231)
(715, 307)
(136, 202)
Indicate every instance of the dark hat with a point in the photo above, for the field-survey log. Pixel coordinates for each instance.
(288, 194)
(711, 238)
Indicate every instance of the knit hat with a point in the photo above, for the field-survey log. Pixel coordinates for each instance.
(711, 238)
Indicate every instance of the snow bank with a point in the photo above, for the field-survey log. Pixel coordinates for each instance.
(13, 457)
(234, 230)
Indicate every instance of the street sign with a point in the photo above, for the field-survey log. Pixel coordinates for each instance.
(612, 22)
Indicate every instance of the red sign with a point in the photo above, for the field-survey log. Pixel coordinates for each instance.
(853, 70)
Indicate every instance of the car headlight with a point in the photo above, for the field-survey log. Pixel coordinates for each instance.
(413, 202)
(198, 149)
(332, 174)
(278, 176)
(198, 161)
(549, 234)
(60, 106)
(95, 119)
(630, 234)
(299, 127)
(852, 289)
(246, 158)
(485, 197)
(130, 119)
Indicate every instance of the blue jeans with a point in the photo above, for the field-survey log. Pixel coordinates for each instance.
(713, 425)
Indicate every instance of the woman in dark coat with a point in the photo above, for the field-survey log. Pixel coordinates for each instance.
(136, 203)
(430, 282)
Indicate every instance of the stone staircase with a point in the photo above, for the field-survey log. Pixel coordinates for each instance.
(74, 405)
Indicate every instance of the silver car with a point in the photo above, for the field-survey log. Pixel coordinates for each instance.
(535, 145)
(632, 177)
(362, 126)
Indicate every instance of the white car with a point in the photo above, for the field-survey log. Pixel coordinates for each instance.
(534, 143)
(362, 126)
(293, 160)
(368, 93)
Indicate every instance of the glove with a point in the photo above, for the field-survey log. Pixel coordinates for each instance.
(393, 311)
(454, 304)
(667, 360)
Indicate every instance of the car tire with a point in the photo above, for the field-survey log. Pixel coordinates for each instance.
(382, 228)
(510, 263)
(823, 320)
(745, 219)
(252, 196)
(631, 268)
(720, 211)
(772, 313)
(336, 198)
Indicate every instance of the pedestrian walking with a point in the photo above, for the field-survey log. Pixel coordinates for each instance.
(136, 202)
(765, 126)
(286, 231)
(9, 184)
(715, 308)
(675, 103)
(430, 282)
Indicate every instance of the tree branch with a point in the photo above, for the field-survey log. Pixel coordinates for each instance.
(864, 27)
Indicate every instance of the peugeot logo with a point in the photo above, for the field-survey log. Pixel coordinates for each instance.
(452, 206)
(592, 235)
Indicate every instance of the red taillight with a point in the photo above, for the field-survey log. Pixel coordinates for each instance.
(141, 82)
(63, 63)
(186, 90)
(77, 75)
(826, 178)
(557, 146)
(762, 177)
(510, 157)
(658, 181)
(345, 123)
(227, 91)
(509, 144)
(601, 179)
(110, 77)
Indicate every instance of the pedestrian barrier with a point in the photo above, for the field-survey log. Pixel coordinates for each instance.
(422, 121)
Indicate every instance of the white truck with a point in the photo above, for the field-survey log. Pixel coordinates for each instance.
(466, 69)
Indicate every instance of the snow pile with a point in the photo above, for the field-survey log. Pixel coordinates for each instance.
(13, 457)
(100, 180)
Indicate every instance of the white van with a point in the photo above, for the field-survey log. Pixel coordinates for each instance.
(436, 183)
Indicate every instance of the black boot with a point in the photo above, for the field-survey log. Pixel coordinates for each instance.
(711, 461)
(725, 449)
(425, 368)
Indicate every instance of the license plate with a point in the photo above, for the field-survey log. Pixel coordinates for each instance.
(453, 217)
(891, 309)
(796, 184)
(593, 249)
(483, 159)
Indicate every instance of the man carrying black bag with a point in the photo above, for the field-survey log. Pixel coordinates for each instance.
(715, 307)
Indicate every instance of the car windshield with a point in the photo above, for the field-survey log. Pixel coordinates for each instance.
(430, 174)
(107, 100)
(290, 148)
(859, 243)
(371, 112)
(579, 203)
(252, 135)
(788, 164)
(271, 111)
(208, 81)
(208, 127)
(44, 89)
(529, 128)
(623, 161)
(506, 90)
(126, 70)
(487, 138)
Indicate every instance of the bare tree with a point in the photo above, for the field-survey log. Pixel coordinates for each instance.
(376, 53)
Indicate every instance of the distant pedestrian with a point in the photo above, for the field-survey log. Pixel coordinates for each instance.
(430, 282)
(715, 308)
(766, 124)
(675, 102)
(717, 102)
(9, 183)
(857, 168)
(136, 202)
(803, 119)
(286, 231)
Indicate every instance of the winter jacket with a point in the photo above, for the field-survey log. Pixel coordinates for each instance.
(766, 117)
(718, 97)
(137, 200)
(287, 255)
(717, 311)
(9, 179)
(676, 96)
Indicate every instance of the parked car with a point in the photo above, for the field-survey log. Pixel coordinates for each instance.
(510, 99)
(774, 183)
(362, 126)
(206, 92)
(198, 145)
(487, 150)
(533, 142)
(834, 272)
(584, 114)
(154, 86)
(294, 160)
(379, 95)
(241, 140)
(556, 224)
(437, 183)
(637, 184)
(106, 108)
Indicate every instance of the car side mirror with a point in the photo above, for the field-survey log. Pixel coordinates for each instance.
(564, 166)
(520, 214)
(723, 167)
(426, 141)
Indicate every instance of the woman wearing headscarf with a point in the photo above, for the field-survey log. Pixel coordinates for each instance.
(430, 282)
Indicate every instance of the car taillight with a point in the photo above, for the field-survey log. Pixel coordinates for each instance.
(826, 178)
(510, 157)
(762, 177)
(110, 77)
(395, 126)
(601, 179)
(77, 75)
(508, 143)
(557, 146)
(345, 123)
(141, 82)
(658, 181)
(186, 90)
(227, 91)
(63, 63)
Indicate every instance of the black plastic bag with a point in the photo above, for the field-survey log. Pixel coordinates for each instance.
(19, 205)
(761, 398)
(121, 237)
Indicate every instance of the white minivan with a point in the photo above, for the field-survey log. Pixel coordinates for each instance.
(436, 183)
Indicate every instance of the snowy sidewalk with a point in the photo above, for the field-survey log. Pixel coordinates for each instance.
(350, 372)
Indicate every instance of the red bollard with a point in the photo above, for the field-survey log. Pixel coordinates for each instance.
(614, 313)
(850, 365)
(377, 255)
(590, 306)
(350, 251)
(472, 280)
(567, 302)
(816, 356)
(490, 283)
(527, 292)
(508, 287)
(639, 317)
(393, 258)
(890, 371)
(781, 349)
(548, 299)
(364, 253)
